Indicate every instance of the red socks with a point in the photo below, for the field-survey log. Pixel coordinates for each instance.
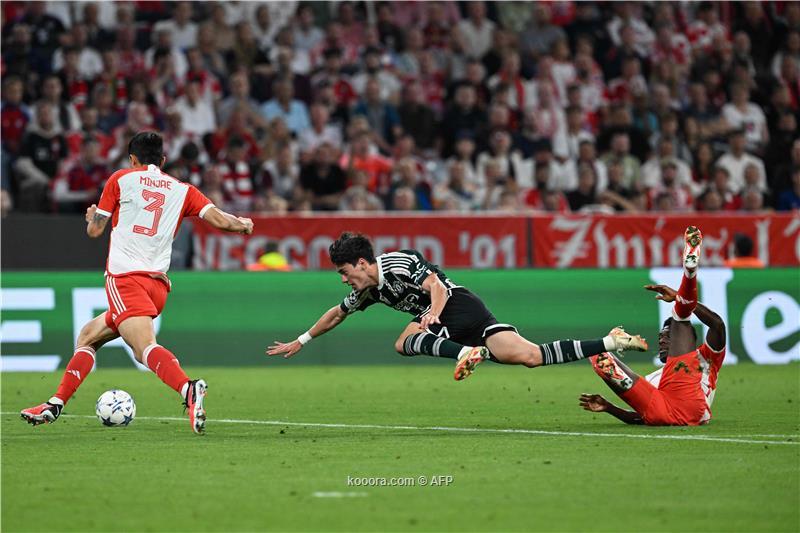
(77, 369)
(166, 366)
(686, 300)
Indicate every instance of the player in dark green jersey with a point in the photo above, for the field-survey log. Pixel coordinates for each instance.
(449, 321)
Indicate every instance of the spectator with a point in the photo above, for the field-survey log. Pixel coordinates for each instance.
(64, 113)
(131, 60)
(567, 142)
(541, 34)
(285, 106)
(81, 185)
(187, 167)
(307, 35)
(509, 163)
(375, 165)
(239, 97)
(407, 175)
(735, 160)
(476, 30)
(321, 131)
(237, 125)
(180, 26)
(703, 167)
(75, 138)
(463, 115)
(416, 118)
(790, 198)
(681, 198)
(620, 151)
(213, 58)
(15, 115)
(43, 148)
(752, 200)
(322, 181)
(651, 170)
(586, 192)
(742, 114)
(373, 69)
(164, 45)
(381, 115)
(281, 174)
(742, 253)
(89, 62)
(404, 199)
(238, 176)
(197, 114)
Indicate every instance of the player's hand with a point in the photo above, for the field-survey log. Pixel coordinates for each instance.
(427, 320)
(286, 349)
(90, 211)
(248, 225)
(665, 294)
(593, 402)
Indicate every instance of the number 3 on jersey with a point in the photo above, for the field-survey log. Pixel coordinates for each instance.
(158, 200)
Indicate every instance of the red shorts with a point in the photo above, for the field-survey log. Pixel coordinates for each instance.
(134, 295)
(679, 398)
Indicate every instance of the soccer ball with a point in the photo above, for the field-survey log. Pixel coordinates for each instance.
(115, 408)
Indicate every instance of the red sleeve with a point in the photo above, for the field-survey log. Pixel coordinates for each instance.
(196, 203)
(109, 200)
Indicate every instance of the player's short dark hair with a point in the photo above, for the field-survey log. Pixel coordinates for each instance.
(349, 248)
(148, 147)
(742, 245)
(668, 324)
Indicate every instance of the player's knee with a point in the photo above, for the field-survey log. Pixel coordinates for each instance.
(398, 345)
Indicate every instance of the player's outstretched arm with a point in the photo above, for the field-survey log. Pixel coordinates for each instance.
(433, 285)
(598, 404)
(332, 318)
(96, 223)
(715, 338)
(227, 222)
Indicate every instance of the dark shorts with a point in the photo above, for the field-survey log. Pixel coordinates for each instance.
(466, 320)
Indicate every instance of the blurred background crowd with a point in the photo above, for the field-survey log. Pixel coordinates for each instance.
(369, 106)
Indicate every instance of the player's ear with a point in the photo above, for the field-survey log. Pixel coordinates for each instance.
(163, 160)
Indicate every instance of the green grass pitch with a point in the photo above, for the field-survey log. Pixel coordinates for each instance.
(573, 471)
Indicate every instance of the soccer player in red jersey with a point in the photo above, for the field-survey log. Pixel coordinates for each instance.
(146, 207)
(680, 393)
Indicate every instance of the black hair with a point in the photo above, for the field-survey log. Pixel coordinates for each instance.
(742, 245)
(349, 248)
(668, 324)
(148, 147)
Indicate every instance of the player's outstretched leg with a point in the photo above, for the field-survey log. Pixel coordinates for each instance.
(93, 335)
(686, 300)
(509, 347)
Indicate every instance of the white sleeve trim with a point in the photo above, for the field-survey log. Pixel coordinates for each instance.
(102, 212)
(713, 350)
(205, 209)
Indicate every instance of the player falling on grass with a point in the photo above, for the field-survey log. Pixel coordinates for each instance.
(449, 321)
(680, 393)
(146, 207)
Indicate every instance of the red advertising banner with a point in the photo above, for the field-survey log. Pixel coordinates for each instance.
(461, 241)
(657, 240)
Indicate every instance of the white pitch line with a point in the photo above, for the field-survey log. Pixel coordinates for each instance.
(468, 430)
(335, 494)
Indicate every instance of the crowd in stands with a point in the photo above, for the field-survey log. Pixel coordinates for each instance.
(278, 107)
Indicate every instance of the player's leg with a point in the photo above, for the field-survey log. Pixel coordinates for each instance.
(139, 334)
(629, 386)
(686, 300)
(416, 341)
(141, 299)
(93, 335)
(509, 347)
